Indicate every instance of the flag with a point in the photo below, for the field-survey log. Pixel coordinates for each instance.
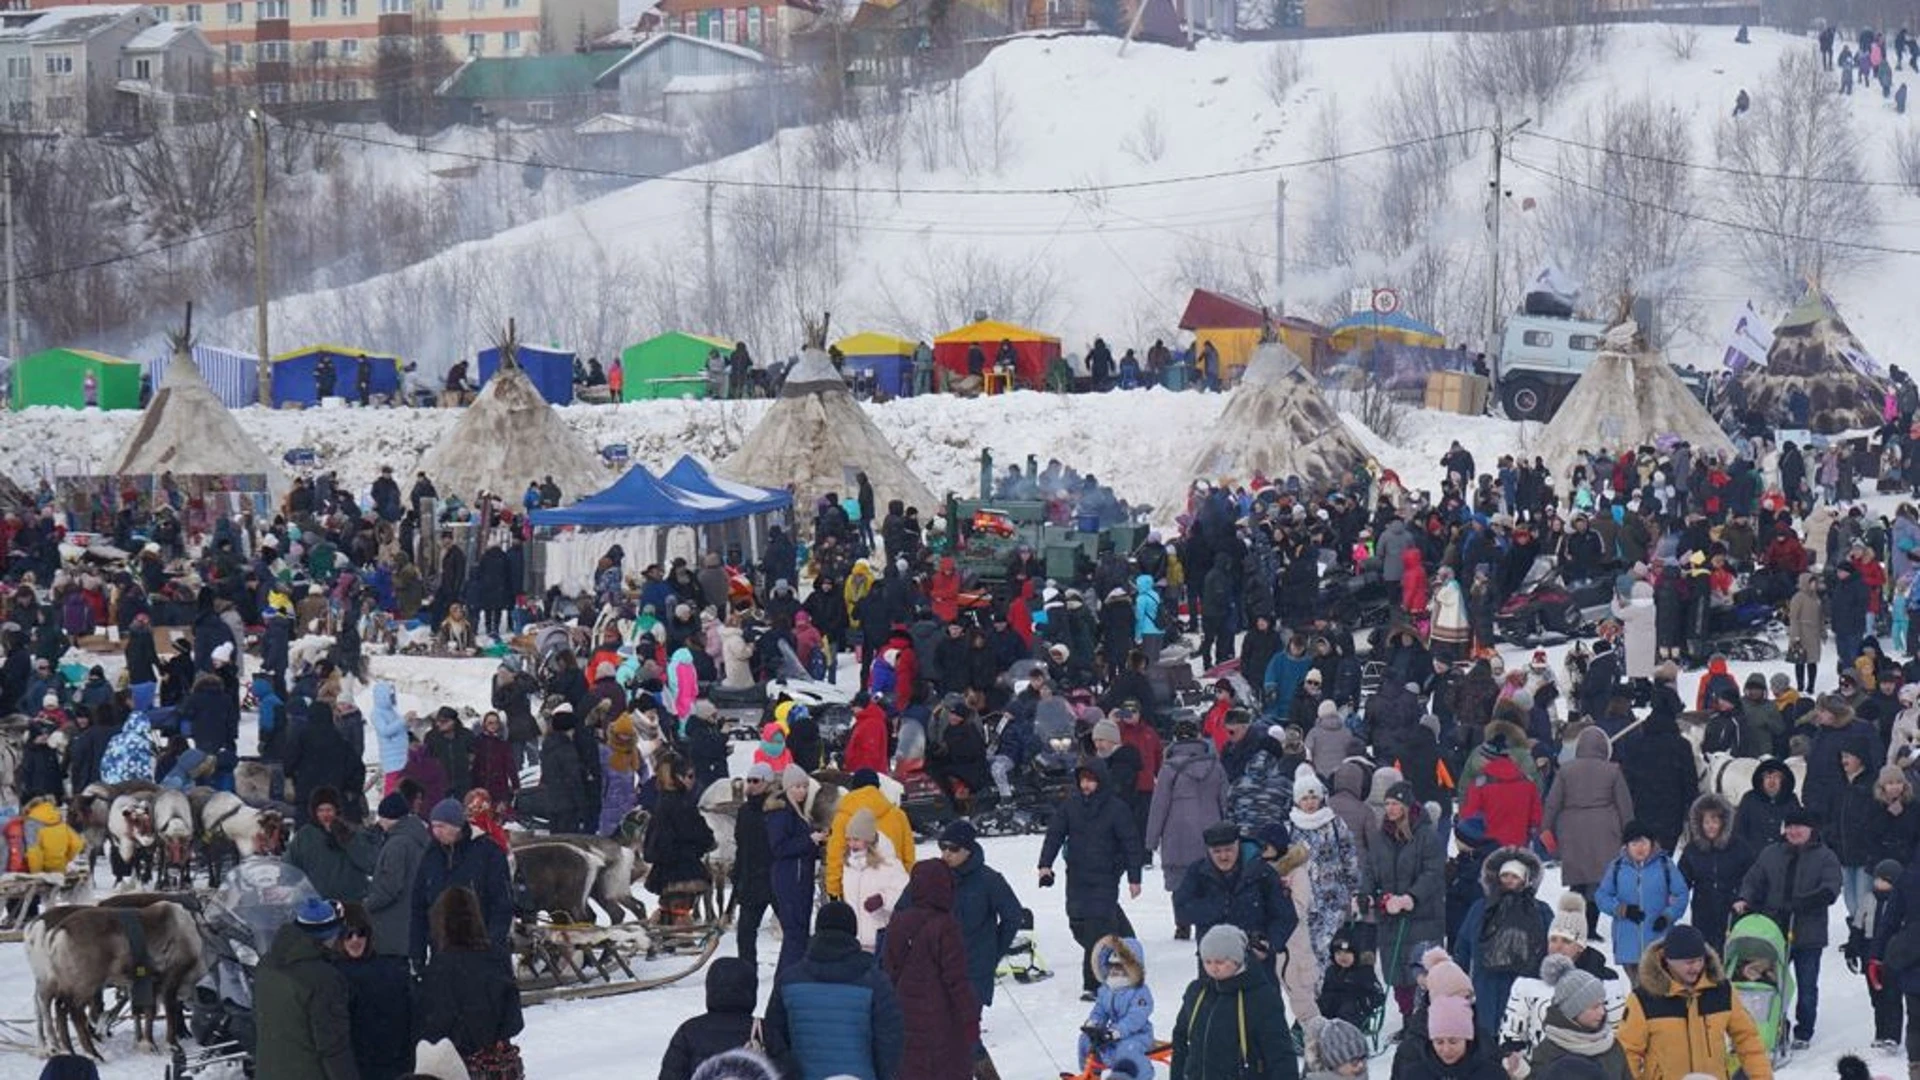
(1748, 341)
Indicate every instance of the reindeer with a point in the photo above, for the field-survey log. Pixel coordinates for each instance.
(232, 830)
(130, 825)
(174, 832)
(562, 871)
(75, 953)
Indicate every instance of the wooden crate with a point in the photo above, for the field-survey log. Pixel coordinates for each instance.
(1456, 392)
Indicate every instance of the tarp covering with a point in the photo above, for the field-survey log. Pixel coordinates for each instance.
(188, 431)
(232, 375)
(1395, 326)
(641, 498)
(550, 369)
(295, 374)
(887, 358)
(58, 377)
(669, 365)
(1034, 351)
(689, 475)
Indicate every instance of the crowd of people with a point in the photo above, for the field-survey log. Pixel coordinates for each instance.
(1352, 818)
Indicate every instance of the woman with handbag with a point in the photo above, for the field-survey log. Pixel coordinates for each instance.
(467, 993)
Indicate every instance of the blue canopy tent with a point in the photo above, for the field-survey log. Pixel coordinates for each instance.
(294, 374)
(550, 369)
(689, 475)
(639, 513)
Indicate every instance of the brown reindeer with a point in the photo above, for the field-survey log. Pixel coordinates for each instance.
(75, 953)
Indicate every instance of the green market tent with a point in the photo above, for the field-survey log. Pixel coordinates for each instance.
(58, 377)
(672, 365)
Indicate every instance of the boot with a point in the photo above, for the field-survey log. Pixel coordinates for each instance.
(983, 1068)
(1183, 932)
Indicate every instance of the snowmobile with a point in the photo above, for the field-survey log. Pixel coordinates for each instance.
(1547, 607)
(1359, 600)
(237, 924)
(1039, 785)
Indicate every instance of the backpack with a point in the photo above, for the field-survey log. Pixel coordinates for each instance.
(1163, 616)
(1512, 939)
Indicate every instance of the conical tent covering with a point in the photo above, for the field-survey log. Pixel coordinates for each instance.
(1815, 352)
(508, 437)
(1277, 424)
(816, 437)
(186, 430)
(1628, 397)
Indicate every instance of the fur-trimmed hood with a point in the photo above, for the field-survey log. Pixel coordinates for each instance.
(1490, 869)
(1653, 970)
(1124, 953)
(1698, 811)
(1516, 737)
(1292, 859)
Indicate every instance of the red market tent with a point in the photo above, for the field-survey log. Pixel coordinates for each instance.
(1036, 351)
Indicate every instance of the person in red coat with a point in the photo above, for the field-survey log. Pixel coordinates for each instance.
(906, 669)
(493, 762)
(943, 591)
(867, 743)
(1508, 801)
(926, 958)
(1019, 613)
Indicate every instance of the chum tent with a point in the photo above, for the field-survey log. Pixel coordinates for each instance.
(550, 369)
(1815, 355)
(887, 358)
(815, 439)
(669, 365)
(58, 377)
(1628, 397)
(233, 376)
(295, 374)
(508, 438)
(1035, 352)
(186, 430)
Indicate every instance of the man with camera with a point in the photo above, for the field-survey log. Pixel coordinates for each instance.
(1229, 887)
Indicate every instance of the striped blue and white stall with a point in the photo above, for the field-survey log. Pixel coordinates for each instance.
(233, 376)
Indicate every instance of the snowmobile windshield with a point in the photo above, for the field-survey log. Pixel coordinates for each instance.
(261, 894)
(1542, 569)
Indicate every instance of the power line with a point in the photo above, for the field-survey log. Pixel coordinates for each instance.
(1723, 170)
(130, 255)
(1689, 215)
(847, 189)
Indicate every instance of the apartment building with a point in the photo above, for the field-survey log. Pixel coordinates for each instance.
(93, 67)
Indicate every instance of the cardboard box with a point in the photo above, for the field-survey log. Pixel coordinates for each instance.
(1456, 392)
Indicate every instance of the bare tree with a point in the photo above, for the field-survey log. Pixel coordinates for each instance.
(1433, 115)
(1906, 158)
(1682, 39)
(1285, 66)
(951, 282)
(1147, 142)
(1621, 215)
(1799, 160)
(1513, 69)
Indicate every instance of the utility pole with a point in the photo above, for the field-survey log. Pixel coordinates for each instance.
(1496, 196)
(713, 281)
(13, 274)
(1280, 246)
(260, 254)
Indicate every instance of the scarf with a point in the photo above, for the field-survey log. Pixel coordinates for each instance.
(1586, 1044)
(1318, 819)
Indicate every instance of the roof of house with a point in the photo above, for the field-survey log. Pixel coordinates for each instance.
(610, 123)
(494, 78)
(64, 23)
(659, 41)
(159, 36)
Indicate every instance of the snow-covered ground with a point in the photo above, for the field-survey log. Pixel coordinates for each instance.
(1031, 1028)
(1141, 442)
(1118, 251)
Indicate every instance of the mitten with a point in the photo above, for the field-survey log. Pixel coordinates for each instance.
(1634, 913)
(874, 903)
(1660, 924)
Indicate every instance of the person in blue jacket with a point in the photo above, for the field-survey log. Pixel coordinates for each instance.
(835, 1009)
(391, 731)
(1643, 891)
(1283, 676)
(794, 842)
(1120, 1026)
(1504, 934)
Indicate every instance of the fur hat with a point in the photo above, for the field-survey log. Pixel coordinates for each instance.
(1635, 830)
(1224, 942)
(862, 826)
(1445, 978)
(1574, 991)
(736, 1064)
(1449, 1018)
(1569, 918)
(1340, 1043)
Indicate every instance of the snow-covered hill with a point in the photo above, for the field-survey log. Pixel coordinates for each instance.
(910, 225)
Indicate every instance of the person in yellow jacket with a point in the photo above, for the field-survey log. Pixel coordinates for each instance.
(52, 845)
(1685, 1018)
(863, 793)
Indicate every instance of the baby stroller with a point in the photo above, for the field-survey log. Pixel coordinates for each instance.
(237, 925)
(1756, 959)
